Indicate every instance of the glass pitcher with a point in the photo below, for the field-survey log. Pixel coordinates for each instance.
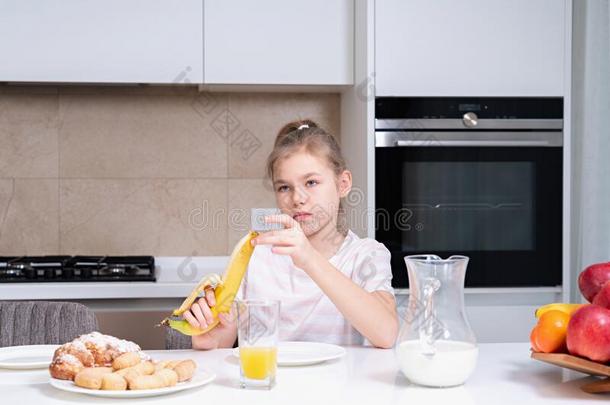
(436, 346)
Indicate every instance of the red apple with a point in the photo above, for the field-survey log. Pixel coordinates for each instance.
(588, 333)
(592, 279)
(602, 298)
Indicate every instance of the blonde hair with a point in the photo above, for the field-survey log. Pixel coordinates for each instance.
(308, 136)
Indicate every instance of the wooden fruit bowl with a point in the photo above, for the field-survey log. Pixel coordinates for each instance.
(582, 365)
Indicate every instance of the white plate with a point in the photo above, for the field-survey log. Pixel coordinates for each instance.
(27, 357)
(200, 378)
(304, 353)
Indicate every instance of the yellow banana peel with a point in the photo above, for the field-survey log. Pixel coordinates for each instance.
(225, 289)
(558, 306)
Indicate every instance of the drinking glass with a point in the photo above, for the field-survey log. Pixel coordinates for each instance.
(257, 334)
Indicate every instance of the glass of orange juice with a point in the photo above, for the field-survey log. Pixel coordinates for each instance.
(257, 334)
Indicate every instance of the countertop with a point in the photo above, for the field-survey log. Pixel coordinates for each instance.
(504, 375)
(176, 277)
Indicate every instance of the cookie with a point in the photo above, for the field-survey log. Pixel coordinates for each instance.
(161, 365)
(146, 382)
(173, 363)
(125, 360)
(170, 377)
(91, 377)
(185, 370)
(142, 368)
(113, 382)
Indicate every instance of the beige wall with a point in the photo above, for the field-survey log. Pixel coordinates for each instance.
(133, 170)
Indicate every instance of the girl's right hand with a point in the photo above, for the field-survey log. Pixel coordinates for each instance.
(200, 316)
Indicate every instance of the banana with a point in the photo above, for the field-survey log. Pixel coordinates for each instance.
(225, 289)
(558, 306)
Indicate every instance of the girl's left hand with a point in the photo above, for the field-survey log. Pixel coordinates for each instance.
(290, 241)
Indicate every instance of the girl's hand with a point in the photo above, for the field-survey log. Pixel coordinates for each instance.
(200, 316)
(290, 241)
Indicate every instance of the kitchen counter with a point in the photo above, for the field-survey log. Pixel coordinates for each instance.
(176, 277)
(504, 375)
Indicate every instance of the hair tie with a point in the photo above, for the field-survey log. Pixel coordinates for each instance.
(302, 126)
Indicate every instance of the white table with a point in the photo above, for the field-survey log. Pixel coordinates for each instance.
(505, 375)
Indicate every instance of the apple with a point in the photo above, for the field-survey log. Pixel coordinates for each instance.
(588, 333)
(592, 279)
(602, 298)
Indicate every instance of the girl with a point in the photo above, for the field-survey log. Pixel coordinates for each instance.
(333, 286)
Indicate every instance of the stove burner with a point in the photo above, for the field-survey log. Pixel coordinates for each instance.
(119, 270)
(11, 272)
(77, 268)
(67, 273)
(49, 273)
(86, 273)
(18, 270)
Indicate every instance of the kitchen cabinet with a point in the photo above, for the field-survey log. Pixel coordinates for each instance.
(471, 47)
(110, 41)
(297, 42)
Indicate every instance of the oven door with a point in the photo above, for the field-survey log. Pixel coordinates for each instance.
(501, 206)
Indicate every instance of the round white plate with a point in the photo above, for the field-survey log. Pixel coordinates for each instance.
(304, 353)
(200, 378)
(27, 357)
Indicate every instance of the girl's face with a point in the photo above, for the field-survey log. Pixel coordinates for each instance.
(307, 189)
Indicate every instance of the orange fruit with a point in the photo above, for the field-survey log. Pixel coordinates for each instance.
(550, 333)
(533, 337)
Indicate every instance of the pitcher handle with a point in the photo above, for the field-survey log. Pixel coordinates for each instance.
(428, 330)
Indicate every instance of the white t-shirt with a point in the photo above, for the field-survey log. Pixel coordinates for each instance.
(306, 313)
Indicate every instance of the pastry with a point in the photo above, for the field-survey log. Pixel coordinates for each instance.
(185, 370)
(170, 377)
(143, 368)
(91, 377)
(147, 382)
(125, 360)
(173, 363)
(161, 365)
(65, 366)
(97, 361)
(113, 382)
(91, 350)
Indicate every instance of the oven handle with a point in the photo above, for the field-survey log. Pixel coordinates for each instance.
(480, 139)
(472, 143)
(459, 123)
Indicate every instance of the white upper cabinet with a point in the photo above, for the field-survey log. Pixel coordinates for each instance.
(293, 42)
(101, 41)
(470, 47)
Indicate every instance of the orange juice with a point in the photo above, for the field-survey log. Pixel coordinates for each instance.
(258, 363)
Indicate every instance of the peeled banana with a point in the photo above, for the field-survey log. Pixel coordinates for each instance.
(225, 289)
(558, 306)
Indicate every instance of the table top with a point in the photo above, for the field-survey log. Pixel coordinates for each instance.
(504, 375)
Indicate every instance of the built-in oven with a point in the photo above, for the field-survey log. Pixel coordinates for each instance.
(480, 177)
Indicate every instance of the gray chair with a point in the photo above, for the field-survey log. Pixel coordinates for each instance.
(43, 322)
(176, 341)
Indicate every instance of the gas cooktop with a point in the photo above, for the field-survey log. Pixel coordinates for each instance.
(76, 268)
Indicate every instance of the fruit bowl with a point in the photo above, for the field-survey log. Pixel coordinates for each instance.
(574, 363)
(581, 365)
(582, 330)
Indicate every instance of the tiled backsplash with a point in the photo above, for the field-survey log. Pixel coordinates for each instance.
(166, 171)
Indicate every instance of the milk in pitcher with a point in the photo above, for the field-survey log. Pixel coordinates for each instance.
(450, 365)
